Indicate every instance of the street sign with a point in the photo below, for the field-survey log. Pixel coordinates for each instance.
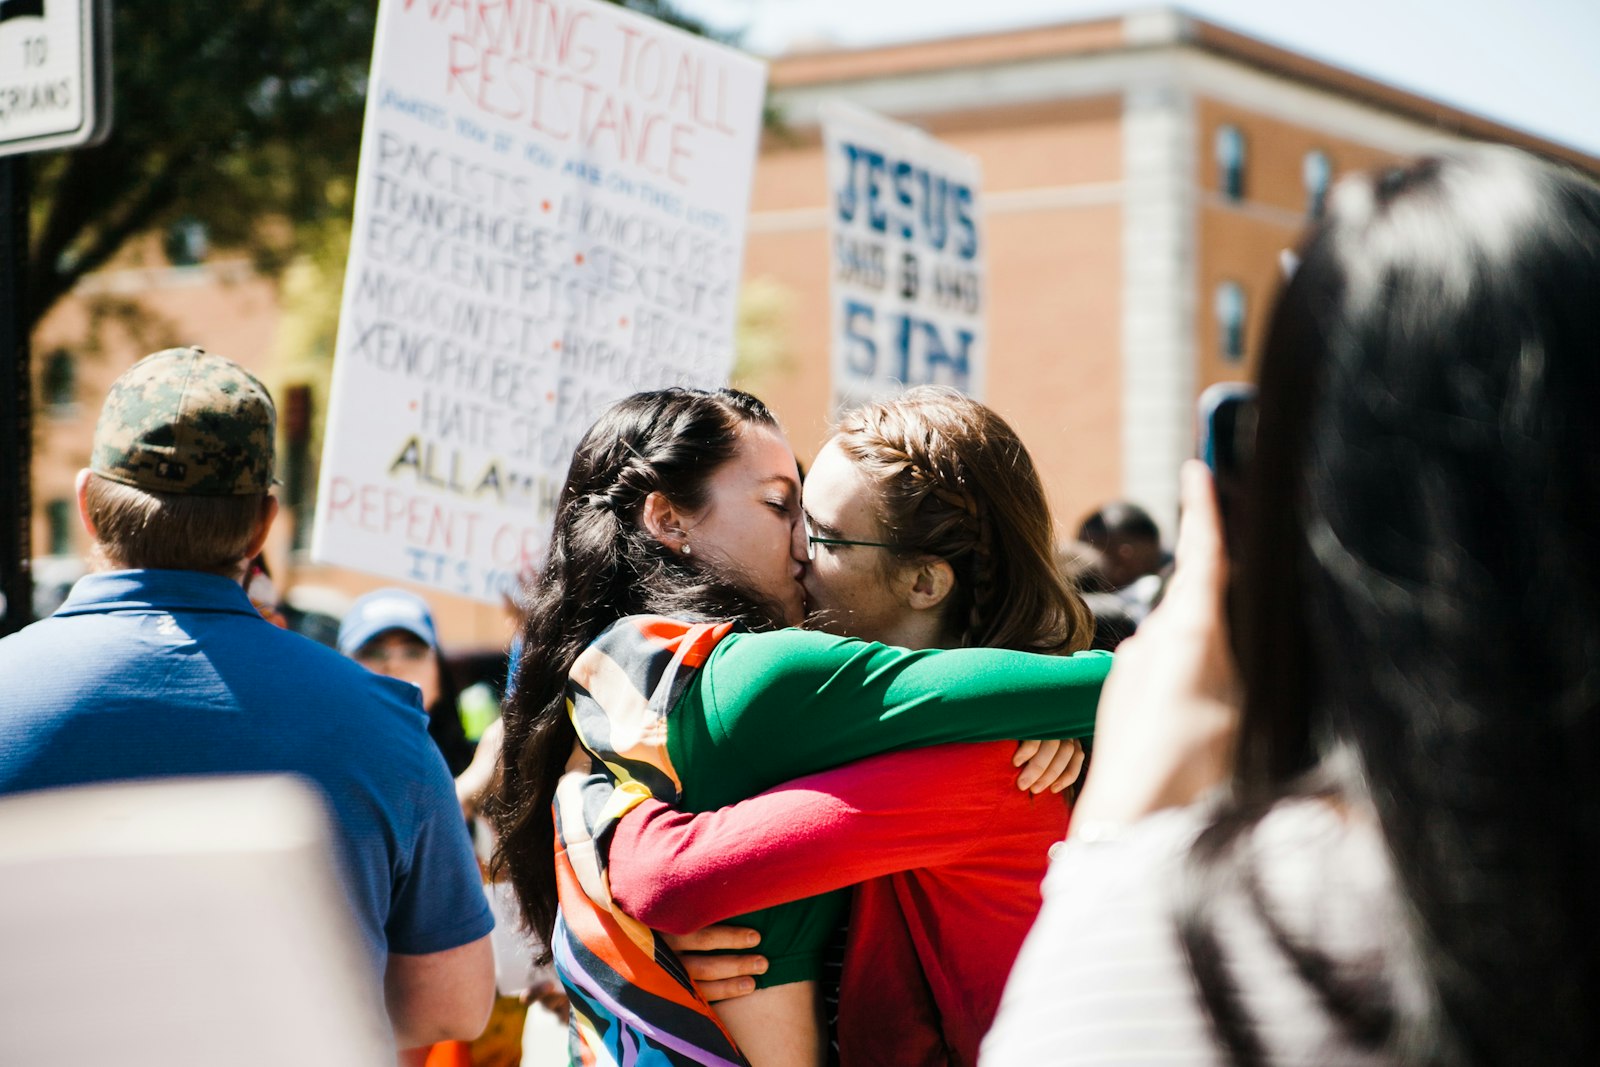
(54, 74)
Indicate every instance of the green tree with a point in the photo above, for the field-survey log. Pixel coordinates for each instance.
(244, 115)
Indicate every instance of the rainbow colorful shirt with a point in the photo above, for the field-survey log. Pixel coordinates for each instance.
(656, 701)
(633, 1004)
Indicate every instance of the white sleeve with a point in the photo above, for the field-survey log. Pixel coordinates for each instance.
(1101, 977)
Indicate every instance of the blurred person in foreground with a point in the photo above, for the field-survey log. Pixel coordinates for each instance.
(159, 665)
(1403, 864)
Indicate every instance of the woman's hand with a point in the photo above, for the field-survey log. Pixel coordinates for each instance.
(1169, 714)
(717, 975)
(1051, 765)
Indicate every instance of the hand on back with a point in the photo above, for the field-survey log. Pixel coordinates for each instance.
(717, 974)
(1053, 764)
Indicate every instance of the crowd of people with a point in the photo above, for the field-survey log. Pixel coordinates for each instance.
(788, 772)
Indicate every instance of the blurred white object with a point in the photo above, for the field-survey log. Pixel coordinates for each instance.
(514, 946)
(187, 920)
(544, 1040)
(544, 1035)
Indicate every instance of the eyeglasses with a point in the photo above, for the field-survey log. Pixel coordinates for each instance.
(812, 540)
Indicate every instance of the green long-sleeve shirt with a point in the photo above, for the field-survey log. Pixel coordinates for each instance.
(767, 708)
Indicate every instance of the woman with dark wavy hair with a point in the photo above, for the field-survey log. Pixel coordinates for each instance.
(1403, 866)
(657, 663)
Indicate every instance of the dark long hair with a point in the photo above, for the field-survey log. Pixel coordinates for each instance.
(1417, 606)
(603, 565)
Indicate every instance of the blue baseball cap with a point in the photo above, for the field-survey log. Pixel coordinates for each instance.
(382, 610)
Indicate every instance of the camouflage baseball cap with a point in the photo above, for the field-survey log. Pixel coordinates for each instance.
(188, 422)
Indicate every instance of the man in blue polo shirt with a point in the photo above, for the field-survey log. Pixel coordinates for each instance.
(158, 665)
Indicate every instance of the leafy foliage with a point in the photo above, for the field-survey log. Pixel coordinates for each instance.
(245, 115)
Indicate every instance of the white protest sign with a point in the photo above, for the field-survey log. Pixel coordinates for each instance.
(55, 65)
(549, 215)
(906, 261)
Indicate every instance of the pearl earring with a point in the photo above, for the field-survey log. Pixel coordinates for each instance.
(686, 551)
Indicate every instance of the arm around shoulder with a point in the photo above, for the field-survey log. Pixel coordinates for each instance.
(440, 996)
(809, 701)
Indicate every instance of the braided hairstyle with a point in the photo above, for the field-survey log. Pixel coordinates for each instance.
(603, 565)
(957, 483)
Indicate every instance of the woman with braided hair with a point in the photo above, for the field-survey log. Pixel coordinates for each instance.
(929, 529)
(656, 643)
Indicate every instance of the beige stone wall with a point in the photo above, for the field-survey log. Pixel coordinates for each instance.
(1242, 241)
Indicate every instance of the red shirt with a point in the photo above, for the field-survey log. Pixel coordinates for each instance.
(950, 855)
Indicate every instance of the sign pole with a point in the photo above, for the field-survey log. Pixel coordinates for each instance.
(57, 57)
(16, 402)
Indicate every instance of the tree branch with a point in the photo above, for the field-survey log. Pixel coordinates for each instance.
(54, 282)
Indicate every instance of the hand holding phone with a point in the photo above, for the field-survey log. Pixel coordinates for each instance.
(1227, 432)
(1227, 427)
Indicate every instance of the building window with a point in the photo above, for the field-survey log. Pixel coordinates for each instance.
(58, 515)
(1230, 162)
(58, 381)
(186, 242)
(1318, 173)
(1231, 313)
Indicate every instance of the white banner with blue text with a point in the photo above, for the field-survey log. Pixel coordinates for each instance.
(906, 248)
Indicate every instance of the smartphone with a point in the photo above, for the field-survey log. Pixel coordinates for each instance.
(1227, 428)
(1227, 432)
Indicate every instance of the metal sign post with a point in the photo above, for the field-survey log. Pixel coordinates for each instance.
(16, 421)
(55, 93)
